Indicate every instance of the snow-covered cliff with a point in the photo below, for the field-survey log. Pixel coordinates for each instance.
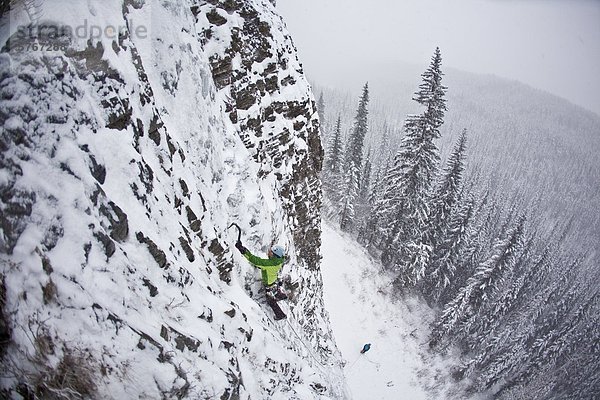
(133, 133)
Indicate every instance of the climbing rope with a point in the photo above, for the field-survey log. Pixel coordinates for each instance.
(307, 348)
(304, 344)
(355, 361)
(377, 365)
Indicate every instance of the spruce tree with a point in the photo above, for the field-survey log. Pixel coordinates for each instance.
(334, 158)
(480, 287)
(354, 160)
(348, 201)
(332, 177)
(447, 255)
(403, 208)
(384, 151)
(445, 233)
(365, 175)
(448, 189)
(321, 112)
(354, 150)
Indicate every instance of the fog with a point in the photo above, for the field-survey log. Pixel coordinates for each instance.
(551, 45)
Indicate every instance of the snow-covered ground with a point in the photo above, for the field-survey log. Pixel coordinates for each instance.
(361, 311)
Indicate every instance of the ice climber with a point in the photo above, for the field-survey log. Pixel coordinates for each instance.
(270, 268)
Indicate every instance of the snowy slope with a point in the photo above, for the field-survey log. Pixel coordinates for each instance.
(122, 168)
(358, 299)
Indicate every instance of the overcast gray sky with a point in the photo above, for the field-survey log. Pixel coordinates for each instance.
(553, 45)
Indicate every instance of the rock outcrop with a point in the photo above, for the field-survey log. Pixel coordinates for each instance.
(124, 159)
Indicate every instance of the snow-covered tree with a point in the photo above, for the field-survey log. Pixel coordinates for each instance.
(365, 175)
(348, 201)
(321, 112)
(450, 252)
(445, 233)
(447, 190)
(331, 174)
(403, 208)
(334, 157)
(482, 285)
(363, 202)
(356, 140)
(366, 234)
(384, 150)
(354, 161)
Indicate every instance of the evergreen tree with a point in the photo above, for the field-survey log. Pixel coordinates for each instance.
(447, 255)
(353, 162)
(348, 215)
(333, 162)
(403, 208)
(384, 152)
(354, 149)
(332, 177)
(445, 233)
(447, 190)
(321, 112)
(365, 183)
(479, 288)
(369, 226)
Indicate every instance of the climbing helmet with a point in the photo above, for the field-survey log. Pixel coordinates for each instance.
(278, 251)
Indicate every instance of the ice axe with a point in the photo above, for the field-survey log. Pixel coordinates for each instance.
(239, 230)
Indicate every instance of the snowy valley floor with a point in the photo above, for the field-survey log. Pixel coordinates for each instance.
(398, 365)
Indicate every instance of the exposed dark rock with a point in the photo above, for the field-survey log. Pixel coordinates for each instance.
(18, 205)
(235, 381)
(46, 265)
(246, 333)
(138, 132)
(158, 255)
(5, 329)
(164, 333)
(98, 171)
(156, 125)
(178, 203)
(87, 247)
(223, 265)
(221, 70)
(153, 289)
(245, 99)
(187, 249)
(119, 227)
(195, 11)
(146, 176)
(288, 80)
(109, 245)
(231, 312)
(49, 291)
(195, 223)
(206, 315)
(270, 69)
(215, 18)
(272, 84)
(227, 345)
(120, 112)
(182, 342)
(52, 236)
(317, 387)
(299, 125)
(184, 188)
(97, 194)
(94, 62)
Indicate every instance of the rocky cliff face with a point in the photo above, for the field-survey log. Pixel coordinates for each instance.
(125, 156)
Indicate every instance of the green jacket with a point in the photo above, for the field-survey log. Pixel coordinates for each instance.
(269, 267)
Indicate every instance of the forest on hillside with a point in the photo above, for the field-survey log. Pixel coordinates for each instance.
(489, 213)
